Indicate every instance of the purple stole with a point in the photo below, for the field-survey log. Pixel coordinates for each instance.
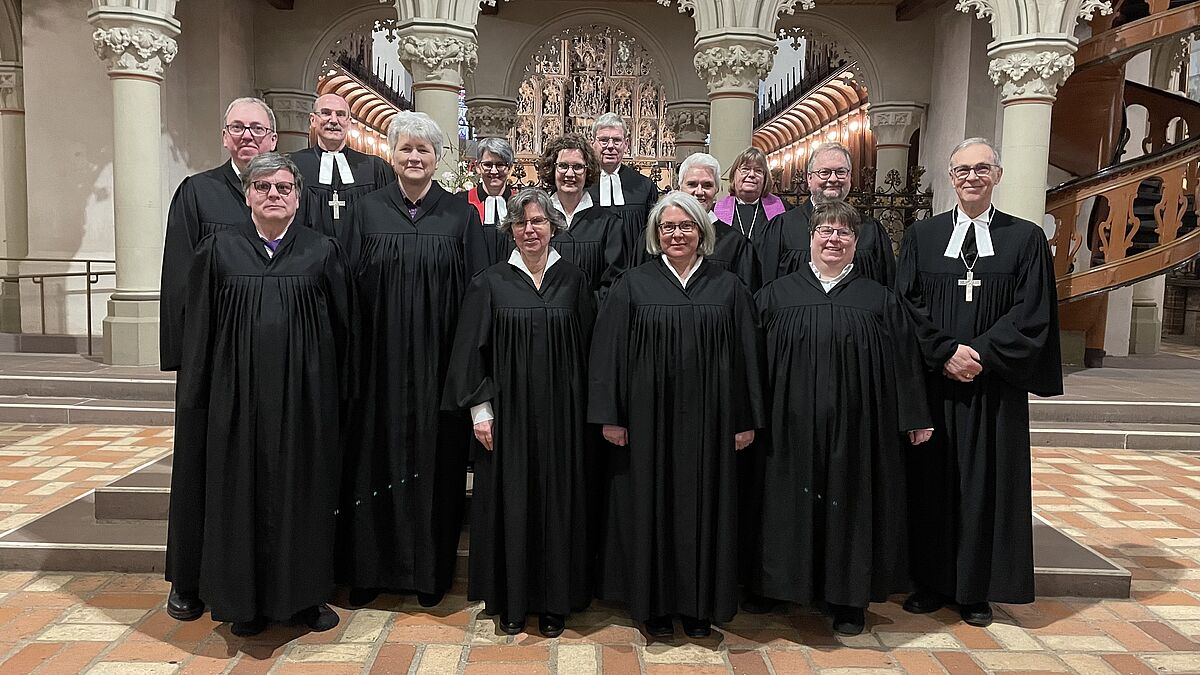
(771, 204)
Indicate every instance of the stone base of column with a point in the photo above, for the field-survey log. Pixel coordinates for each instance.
(1145, 330)
(10, 307)
(131, 333)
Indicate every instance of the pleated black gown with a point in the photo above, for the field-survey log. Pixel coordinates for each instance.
(370, 173)
(641, 194)
(969, 487)
(593, 244)
(405, 475)
(679, 368)
(846, 383)
(267, 364)
(525, 350)
(785, 247)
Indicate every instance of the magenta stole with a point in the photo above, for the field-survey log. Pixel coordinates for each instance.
(723, 209)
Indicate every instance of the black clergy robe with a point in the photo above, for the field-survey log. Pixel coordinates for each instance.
(316, 210)
(969, 486)
(593, 243)
(204, 203)
(525, 350)
(679, 369)
(641, 194)
(266, 368)
(501, 242)
(846, 384)
(405, 474)
(785, 247)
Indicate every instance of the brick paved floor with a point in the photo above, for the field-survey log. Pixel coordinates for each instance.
(1140, 508)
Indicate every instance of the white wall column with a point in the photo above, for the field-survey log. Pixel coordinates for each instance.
(137, 44)
(14, 183)
(291, 107)
(439, 55)
(689, 121)
(893, 124)
(732, 64)
(491, 117)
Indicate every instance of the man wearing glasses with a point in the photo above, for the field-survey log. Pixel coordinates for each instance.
(621, 190)
(204, 203)
(490, 196)
(335, 175)
(980, 288)
(785, 246)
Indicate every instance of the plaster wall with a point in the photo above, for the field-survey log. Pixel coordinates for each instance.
(290, 45)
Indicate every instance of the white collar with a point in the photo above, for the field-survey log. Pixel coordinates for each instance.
(712, 217)
(328, 159)
(518, 262)
(691, 272)
(828, 284)
(983, 234)
(584, 203)
(495, 209)
(233, 165)
(738, 200)
(610, 188)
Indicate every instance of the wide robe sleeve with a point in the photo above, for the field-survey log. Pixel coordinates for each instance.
(608, 366)
(912, 406)
(477, 249)
(770, 249)
(937, 346)
(885, 259)
(1022, 346)
(751, 413)
(469, 379)
(350, 237)
(183, 231)
(343, 310)
(196, 359)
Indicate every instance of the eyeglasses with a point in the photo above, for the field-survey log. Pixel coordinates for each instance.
(686, 227)
(750, 170)
(256, 130)
(263, 187)
(963, 171)
(609, 141)
(536, 221)
(569, 168)
(326, 113)
(827, 232)
(824, 174)
(494, 166)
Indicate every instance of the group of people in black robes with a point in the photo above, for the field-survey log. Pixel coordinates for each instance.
(659, 409)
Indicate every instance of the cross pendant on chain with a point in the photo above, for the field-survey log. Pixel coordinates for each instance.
(969, 284)
(337, 206)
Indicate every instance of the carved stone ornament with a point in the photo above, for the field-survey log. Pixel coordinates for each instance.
(139, 50)
(734, 67)
(12, 89)
(438, 56)
(1032, 74)
(491, 121)
(291, 110)
(688, 123)
(891, 119)
(1091, 7)
(783, 6)
(982, 8)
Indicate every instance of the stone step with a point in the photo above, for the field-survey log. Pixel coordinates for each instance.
(82, 410)
(1099, 411)
(1118, 436)
(89, 386)
(142, 495)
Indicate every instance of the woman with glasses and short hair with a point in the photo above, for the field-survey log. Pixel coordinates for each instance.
(490, 196)
(750, 204)
(675, 383)
(846, 390)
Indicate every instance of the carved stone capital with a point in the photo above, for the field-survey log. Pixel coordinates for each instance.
(1033, 71)
(894, 123)
(492, 119)
(12, 87)
(291, 107)
(734, 67)
(135, 50)
(438, 57)
(689, 122)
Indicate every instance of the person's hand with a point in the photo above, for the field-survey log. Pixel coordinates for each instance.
(919, 436)
(615, 434)
(964, 365)
(483, 431)
(740, 441)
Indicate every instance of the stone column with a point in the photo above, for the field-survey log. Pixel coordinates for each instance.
(1029, 69)
(14, 207)
(893, 125)
(688, 120)
(491, 117)
(137, 45)
(292, 107)
(439, 56)
(732, 67)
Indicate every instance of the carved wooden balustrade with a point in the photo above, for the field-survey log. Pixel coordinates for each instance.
(1162, 108)
(1113, 235)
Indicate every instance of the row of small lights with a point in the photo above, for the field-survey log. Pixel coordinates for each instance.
(830, 133)
(372, 139)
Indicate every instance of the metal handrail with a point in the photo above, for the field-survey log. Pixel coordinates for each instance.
(92, 278)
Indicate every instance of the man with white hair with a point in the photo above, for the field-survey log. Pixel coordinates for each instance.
(980, 287)
(335, 175)
(621, 189)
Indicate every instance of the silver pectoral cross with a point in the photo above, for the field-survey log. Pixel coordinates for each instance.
(337, 206)
(969, 285)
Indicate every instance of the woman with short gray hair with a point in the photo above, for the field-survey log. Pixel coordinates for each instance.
(700, 176)
(490, 196)
(519, 365)
(675, 385)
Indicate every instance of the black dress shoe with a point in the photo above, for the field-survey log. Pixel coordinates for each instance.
(695, 628)
(660, 627)
(430, 599)
(924, 602)
(976, 614)
(319, 618)
(184, 606)
(512, 626)
(757, 604)
(848, 620)
(551, 625)
(361, 597)
(249, 628)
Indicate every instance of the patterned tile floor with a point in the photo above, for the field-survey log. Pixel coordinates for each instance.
(1140, 508)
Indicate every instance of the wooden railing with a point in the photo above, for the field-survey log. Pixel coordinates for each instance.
(1111, 236)
(1163, 108)
(1116, 36)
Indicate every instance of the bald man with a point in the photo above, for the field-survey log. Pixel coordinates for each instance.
(334, 174)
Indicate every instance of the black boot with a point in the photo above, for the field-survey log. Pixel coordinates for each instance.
(184, 606)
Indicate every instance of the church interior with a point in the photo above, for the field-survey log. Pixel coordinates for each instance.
(106, 106)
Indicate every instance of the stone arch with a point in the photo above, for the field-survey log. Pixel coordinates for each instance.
(10, 31)
(816, 25)
(346, 23)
